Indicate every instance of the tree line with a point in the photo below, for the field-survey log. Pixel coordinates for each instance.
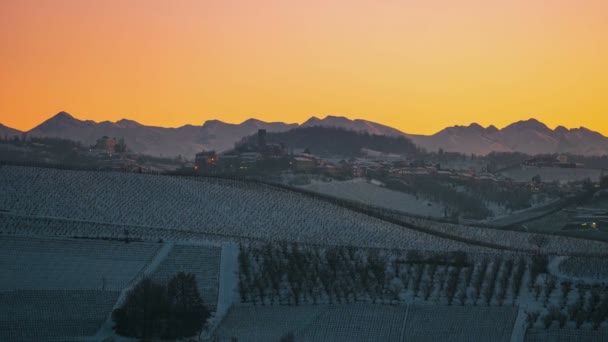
(332, 141)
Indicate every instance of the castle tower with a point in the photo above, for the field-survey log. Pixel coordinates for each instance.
(261, 138)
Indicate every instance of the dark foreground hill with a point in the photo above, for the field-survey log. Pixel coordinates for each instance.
(333, 141)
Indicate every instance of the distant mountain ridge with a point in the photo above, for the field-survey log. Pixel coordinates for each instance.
(529, 136)
(357, 125)
(152, 140)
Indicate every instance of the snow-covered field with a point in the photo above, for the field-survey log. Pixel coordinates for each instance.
(179, 207)
(363, 191)
(58, 289)
(551, 174)
(375, 194)
(368, 322)
(186, 212)
(53, 315)
(65, 288)
(70, 264)
(557, 245)
(566, 335)
(88, 203)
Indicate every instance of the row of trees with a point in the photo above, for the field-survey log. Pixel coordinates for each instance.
(292, 274)
(155, 310)
(53, 150)
(590, 306)
(333, 141)
(513, 196)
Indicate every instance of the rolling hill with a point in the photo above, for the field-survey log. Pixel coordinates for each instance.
(336, 141)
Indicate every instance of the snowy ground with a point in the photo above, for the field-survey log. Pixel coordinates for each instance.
(106, 204)
(157, 207)
(69, 287)
(368, 322)
(371, 193)
(503, 217)
(375, 194)
(170, 207)
(70, 264)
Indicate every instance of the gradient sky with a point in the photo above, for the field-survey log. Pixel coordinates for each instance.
(417, 65)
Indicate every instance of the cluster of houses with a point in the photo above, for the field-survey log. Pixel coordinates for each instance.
(264, 156)
(396, 168)
(259, 156)
(111, 154)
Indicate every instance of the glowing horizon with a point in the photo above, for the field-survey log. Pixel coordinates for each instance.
(418, 66)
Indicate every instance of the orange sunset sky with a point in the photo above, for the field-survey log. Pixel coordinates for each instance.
(417, 65)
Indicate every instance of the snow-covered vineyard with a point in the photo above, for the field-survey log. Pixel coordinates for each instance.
(53, 315)
(552, 244)
(59, 264)
(211, 206)
(73, 243)
(183, 209)
(368, 322)
(365, 192)
(566, 335)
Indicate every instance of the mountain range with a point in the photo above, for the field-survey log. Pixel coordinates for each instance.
(6, 132)
(530, 136)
